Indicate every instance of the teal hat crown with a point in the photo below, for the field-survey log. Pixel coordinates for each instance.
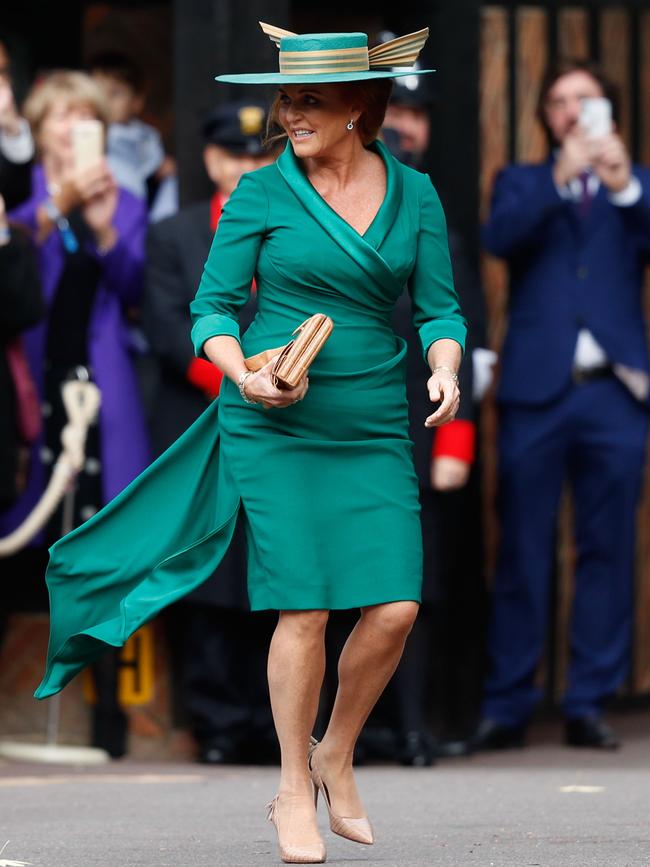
(324, 57)
(319, 53)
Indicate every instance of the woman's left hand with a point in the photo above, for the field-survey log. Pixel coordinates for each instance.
(442, 388)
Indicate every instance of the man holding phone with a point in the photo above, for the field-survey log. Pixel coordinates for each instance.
(573, 404)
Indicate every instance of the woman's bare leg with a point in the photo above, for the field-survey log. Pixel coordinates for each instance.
(296, 668)
(367, 662)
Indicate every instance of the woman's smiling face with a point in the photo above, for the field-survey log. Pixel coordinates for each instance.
(315, 117)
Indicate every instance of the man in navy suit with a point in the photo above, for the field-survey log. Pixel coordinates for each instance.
(575, 231)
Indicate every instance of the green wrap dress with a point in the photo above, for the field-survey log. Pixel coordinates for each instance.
(326, 486)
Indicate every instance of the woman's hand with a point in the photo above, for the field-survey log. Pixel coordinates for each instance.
(81, 186)
(442, 388)
(260, 388)
(98, 212)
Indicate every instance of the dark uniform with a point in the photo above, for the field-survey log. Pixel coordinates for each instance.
(441, 665)
(219, 646)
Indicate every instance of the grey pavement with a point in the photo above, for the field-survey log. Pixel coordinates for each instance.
(544, 806)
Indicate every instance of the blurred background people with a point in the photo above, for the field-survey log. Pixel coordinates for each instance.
(220, 647)
(90, 240)
(134, 149)
(427, 681)
(16, 143)
(575, 231)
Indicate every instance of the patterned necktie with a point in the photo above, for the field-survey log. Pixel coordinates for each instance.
(585, 195)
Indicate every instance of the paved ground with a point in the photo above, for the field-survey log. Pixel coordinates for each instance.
(545, 806)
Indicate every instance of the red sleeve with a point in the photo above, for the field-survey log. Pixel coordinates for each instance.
(456, 439)
(204, 375)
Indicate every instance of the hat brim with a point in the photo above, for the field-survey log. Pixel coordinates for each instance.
(323, 78)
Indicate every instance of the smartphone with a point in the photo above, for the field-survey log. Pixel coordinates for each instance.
(596, 116)
(87, 143)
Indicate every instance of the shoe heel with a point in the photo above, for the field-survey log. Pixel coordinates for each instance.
(315, 854)
(357, 830)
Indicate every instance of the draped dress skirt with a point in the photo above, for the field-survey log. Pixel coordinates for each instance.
(327, 487)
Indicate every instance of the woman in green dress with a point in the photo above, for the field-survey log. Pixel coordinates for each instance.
(323, 473)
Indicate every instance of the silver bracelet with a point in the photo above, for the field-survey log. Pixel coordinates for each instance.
(448, 370)
(240, 385)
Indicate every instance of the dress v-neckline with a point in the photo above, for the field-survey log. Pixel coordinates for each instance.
(342, 218)
(383, 218)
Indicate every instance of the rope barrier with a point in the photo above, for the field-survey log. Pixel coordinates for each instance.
(82, 401)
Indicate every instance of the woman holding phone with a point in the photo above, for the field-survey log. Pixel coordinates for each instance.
(90, 240)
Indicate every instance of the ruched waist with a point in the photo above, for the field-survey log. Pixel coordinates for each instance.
(353, 346)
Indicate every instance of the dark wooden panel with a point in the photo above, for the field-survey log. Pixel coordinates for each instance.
(573, 32)
(615, 53)
(494, 90)
(532, 58)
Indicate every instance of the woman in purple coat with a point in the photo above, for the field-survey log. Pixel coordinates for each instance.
(90, 239)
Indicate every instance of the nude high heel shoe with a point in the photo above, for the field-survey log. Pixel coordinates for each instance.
(357, 830)
(314, 854)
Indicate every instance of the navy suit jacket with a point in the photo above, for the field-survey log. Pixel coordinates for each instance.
(567, 272)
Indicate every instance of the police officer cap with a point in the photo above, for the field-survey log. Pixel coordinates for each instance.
(237, 127)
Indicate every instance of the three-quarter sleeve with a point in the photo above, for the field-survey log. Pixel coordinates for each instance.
(230, 268)
(436, 311)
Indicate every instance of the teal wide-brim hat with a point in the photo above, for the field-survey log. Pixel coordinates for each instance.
(321, 58)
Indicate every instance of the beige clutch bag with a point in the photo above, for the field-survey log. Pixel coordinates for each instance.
(294, 360)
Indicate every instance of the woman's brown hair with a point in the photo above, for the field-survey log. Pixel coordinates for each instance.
(371, 97)
(73, 88)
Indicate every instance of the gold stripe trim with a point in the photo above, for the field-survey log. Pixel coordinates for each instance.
(297, 70)
(329, 52)
(307, 63)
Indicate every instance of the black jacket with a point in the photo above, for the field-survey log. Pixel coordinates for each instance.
(21, 306)
(15, 181)
(177, 249)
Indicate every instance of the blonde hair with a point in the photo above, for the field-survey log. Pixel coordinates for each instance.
(371, 96)
(74, 88)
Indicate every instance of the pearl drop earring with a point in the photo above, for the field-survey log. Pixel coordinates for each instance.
(351, 125)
